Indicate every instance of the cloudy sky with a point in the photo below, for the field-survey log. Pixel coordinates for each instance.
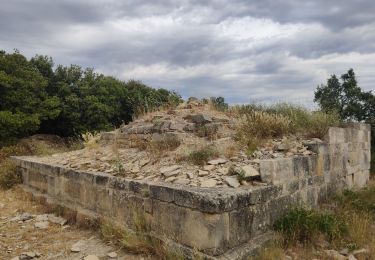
(246, 51)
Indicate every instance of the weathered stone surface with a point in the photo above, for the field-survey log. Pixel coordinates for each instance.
(112, 255)
(208, 183)
(217, 161)
(170, 170)
(201, 119)
(217, 220)
(232, 181)
(42, 224)
(250, 172)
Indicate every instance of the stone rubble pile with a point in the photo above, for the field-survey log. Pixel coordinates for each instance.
(191, 125)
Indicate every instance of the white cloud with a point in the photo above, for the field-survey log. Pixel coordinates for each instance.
(243, 51)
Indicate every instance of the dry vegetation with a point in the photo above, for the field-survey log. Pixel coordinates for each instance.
(38, 145)
(258, 123)
(348, 225)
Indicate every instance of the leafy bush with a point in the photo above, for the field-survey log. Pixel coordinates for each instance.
(8, 174)
(219, 104)
(264, 125)
(90, 140)
(256, 126)
(164, 142)
(318, 123)
(304, 225)
(202, 156)
(282, 118)
(68, 101)
(363, 200)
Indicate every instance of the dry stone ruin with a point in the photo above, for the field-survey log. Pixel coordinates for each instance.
(221, 207)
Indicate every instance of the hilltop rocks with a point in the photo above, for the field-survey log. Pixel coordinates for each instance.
(192, 144)
(250, 172)
(217, 161)
(232, 181)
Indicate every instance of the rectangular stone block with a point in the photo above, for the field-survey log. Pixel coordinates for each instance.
(335, 135)
(277, 170)
(361, 179)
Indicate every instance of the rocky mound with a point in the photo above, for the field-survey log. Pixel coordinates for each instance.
(192, 144)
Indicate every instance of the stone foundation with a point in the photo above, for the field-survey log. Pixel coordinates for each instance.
(221, 223)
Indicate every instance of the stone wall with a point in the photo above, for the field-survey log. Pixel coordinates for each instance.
(220, 223)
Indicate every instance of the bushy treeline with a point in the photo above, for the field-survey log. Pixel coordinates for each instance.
(36, 96)
(344, 96)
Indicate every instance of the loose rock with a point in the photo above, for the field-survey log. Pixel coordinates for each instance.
(335, 255)
(232, 181)
(182, 181)
(250, 172)
(112, 255)
(202, 173)
(57, 220)
(217, 161)
(208, 183)
(42, 224)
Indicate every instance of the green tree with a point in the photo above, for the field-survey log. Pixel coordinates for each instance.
(36, 96)
(350, 101)
(24, 101)
(345, 97)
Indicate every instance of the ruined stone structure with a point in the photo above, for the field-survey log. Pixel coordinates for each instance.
(220, 223)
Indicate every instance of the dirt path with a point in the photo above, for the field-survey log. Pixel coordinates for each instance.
(24, 228)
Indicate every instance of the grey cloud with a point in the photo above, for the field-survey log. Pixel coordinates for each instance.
(189, 39)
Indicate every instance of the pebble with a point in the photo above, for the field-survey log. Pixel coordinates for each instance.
(167, 169)
(40, 218)
(344, 251)
(208, 167)
(182, 181)
(360, 251)
(335, 255)
(250, 171)
(42, 224)
(112, 255)
(76, 248)
(208, 183)
(217, 161)
(173, 173)
(57, 220)
(23, 217)
(170, 179)
(91, 257)
(232, 181)
(202, 173)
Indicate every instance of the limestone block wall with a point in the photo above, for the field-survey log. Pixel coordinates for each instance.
(220, 223)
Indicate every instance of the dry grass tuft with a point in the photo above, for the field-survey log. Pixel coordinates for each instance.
(8, 174)
(138, 241)
(257, 126)
(91, 140)
(318, 123)
(202, 156)
(350, 225)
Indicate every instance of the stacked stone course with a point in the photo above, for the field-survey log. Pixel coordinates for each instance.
(221, 223)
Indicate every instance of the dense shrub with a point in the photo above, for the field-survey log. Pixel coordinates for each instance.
(363, 200)
(202, 156)
(259, 121)
(8, 174)
(256, 126)
(219, 104)
(37, 97)
(24, 101)
(304, 225)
